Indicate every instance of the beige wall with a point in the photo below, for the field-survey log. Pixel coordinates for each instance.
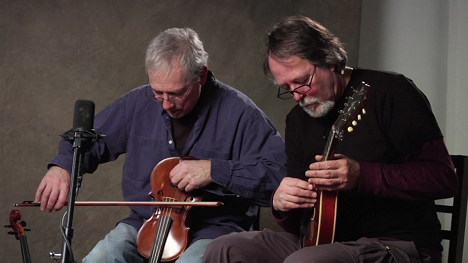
(53, 53)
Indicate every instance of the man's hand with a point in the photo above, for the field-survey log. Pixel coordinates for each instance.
(189, 175)
(294, 193)
(341, 173)
(53, 189)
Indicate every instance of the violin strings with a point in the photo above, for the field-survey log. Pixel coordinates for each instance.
(24, 248)
(157, 241)
(164, 223)
(157, 249)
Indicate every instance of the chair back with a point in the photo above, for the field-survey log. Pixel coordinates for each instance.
(456, 234)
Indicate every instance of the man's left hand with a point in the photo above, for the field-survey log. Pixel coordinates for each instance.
(189, 175)
(340, 173)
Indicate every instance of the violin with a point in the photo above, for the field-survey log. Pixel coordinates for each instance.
(19, 231)
(164, 236)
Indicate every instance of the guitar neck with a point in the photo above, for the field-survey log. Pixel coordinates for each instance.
(330, 145)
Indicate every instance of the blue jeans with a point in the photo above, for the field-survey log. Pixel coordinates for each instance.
(119, 245)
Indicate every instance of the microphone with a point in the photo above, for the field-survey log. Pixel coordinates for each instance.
(83, 118)
(82, 137)
(83, 125)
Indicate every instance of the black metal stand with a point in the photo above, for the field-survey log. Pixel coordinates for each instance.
(83, 141)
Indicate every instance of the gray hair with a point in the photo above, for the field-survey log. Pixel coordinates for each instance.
(303, 37)
(177, 46)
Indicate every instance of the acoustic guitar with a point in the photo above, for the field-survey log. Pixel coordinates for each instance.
(318, 224)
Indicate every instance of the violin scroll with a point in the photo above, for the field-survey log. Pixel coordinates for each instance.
(19, 231)
(17, 225)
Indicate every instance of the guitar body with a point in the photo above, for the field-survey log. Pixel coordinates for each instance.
(321, 228)
(318, 224)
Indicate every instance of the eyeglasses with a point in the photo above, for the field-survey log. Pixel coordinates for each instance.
(303, 89)
(159, 96)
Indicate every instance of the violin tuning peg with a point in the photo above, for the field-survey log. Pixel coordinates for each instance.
(8, 226)
(11, 233)
(23, 223)
(27, 229)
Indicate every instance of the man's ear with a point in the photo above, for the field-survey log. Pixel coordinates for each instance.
(204, 75)
(337, 68)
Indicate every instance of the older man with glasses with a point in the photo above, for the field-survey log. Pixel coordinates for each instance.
(184, 111)
(381, 184)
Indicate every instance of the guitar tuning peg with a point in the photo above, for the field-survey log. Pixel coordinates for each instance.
(363, 111)
(350, 129)
(359, 117)
(354, 123)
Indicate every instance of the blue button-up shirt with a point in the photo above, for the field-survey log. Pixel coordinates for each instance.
(247, 154)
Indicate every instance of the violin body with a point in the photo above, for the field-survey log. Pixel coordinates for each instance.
(164, 236)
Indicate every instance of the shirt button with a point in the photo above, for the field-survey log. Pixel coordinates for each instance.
(170, 141)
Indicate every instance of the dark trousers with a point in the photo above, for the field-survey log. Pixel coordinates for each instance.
(280, 247)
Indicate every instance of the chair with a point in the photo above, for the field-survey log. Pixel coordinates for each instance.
(256, 223)
(456, 234)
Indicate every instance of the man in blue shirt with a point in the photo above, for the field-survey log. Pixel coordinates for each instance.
(184, 111)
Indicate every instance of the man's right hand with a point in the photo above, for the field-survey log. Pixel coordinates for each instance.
(53, 190)
(294, 193)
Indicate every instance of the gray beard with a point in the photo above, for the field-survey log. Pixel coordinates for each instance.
(319, 111)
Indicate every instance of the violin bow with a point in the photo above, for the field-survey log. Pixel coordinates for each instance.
(123, 203)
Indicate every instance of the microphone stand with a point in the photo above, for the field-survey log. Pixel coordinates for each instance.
(83, 141)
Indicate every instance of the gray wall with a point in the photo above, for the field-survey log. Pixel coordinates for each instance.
(425, 40)
(53, 53)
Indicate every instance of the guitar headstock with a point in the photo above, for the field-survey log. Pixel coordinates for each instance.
(351, 113)
(18, 226)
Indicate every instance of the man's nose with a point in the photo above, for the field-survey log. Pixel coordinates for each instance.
(298, 96)
(167, 104)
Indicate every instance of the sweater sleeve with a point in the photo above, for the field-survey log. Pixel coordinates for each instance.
(426, 174)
